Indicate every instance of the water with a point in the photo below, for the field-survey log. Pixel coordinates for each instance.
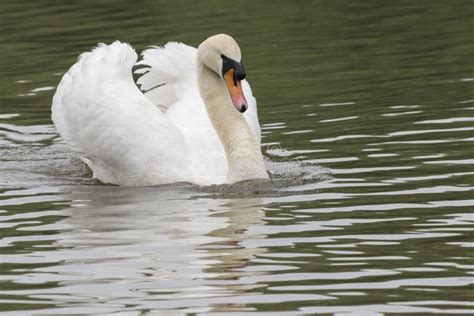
(367, 112)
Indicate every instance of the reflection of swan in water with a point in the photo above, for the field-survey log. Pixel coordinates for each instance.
(160, 247)
(241, 215)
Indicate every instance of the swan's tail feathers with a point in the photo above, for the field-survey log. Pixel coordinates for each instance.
(80, 94)
(165, 71)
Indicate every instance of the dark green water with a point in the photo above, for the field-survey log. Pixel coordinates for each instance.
(367, 112)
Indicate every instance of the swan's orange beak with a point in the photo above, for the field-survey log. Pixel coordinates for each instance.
(235, 90)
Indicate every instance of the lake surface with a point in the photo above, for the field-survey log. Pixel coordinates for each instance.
(367, 113)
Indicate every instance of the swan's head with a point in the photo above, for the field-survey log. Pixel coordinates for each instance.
(221, 54)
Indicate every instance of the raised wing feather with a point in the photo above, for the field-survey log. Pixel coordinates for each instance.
(166, 69)
(117, 131)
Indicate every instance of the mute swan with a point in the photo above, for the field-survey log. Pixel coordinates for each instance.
(197, 122)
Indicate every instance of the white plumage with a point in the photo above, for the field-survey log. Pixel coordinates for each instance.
(132, 138)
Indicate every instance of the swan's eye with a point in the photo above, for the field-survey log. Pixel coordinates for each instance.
(228, 64)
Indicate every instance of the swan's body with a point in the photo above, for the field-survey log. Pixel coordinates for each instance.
(184, 129)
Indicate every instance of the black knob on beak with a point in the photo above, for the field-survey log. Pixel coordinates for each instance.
(239, 71)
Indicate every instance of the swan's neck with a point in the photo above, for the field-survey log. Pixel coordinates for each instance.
(244, 157)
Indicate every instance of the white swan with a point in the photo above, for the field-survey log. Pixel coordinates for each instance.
(188, 127)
